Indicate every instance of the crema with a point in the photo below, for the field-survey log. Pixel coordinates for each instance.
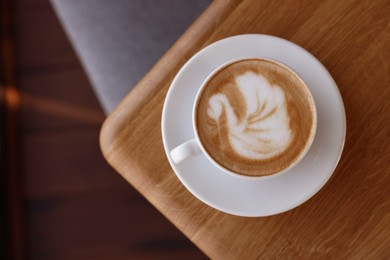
(255, 117)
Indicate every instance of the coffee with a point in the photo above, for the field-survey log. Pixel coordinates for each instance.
(255, 117)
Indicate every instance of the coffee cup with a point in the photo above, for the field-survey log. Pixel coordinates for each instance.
(252, 117)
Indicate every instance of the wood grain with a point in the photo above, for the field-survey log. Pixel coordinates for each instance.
(350, 217)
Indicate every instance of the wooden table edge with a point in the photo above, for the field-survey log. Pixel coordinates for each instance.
(129, 107)
(147, 86)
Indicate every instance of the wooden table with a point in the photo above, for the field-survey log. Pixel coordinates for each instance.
(350, 217)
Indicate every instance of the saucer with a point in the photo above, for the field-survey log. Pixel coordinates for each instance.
(257, 197)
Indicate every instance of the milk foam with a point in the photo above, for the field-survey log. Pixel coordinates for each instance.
(264, 131)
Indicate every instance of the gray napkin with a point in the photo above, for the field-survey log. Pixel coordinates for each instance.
(118, 41)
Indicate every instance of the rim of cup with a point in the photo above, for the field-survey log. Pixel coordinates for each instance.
(235, 174)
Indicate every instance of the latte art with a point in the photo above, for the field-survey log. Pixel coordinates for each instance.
(264, 131)
(255, 117)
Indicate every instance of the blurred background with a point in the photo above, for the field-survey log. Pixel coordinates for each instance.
(59, 198)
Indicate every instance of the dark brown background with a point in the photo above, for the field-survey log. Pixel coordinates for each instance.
(74, 205)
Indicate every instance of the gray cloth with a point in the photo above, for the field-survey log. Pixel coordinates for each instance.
(119, 41)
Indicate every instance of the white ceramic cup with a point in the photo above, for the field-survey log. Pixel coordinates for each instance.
(195, 147)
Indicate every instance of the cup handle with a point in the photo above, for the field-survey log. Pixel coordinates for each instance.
(185, 151)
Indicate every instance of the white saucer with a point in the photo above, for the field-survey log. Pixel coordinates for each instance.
(259, 197)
